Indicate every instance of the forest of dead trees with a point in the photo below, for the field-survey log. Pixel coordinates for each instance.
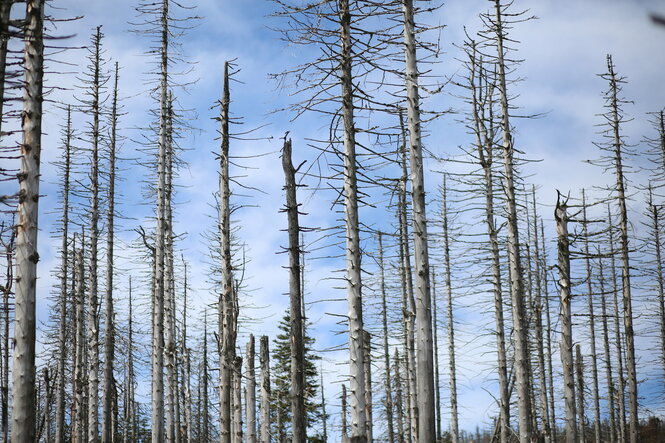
(437, 256)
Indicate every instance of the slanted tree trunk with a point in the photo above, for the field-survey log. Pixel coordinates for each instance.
(264, 360)
(23, 404)
(353, 271)
(64, 288)
(561, 217)
(297, 345)
(250, 391)
(514, 258)
(424, 356)
(108, 431)
(388, 399)
(579, 369)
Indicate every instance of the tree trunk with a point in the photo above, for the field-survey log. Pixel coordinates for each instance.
(78, 419)
(424, 356)
(437, 385)
(64, 289)
(297, 345)
(108, 431)
(388, 401)
(353, 271)
(548, 336)
(237, 400)
(608, 355)
(579, 366)
(23, 405)
(514, 258)
(264, 360)
(367, 348)
(454, 423)
(561, 217)
(250, 391)
(592, 322)
(398, 401)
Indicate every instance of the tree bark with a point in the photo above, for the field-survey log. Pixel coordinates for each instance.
(561, 217)
(250, 391)
(579, 366)
(388, 401)
(398, 400)
(264, 360)
(78, 419)
(608, 356)
(23, 404)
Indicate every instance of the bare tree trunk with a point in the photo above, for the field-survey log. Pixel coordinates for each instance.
(324, 417)
(227, 302)
(561, 217)
(408, 301)
(483, 125)
(345, 431)
(592, 323)
(398, 401)
(237, 400)
(10, 249)
(64, 289)
(367, 348)
(548, 335)
(23, 404)
(250, 391)
(264, 360)
(388, 401)
(437, 385)
(297, 345)
(655, 215)
(5, 16)
(621, 381)
(157, 363)
(78, 434)
(538, 326)
(454, 422)
(129, 417)
(353, 271)
(608, 355)
(108, 431)
(514, 257)
(617, 144)
(204, 370)
(424, 357)
(579, 366)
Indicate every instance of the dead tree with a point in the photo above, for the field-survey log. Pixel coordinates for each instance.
(264, 360)
(250, 391)
(561, 217)
(297, 389)
(23, 404)
(579, 373)
(388, 399)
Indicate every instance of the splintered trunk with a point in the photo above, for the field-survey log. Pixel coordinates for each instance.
(108, 431)
(617, 146)
(23, 404)
(561, 217)
(425, 354)
(264, 360)
(592, 323)
(608, 356)
(454, 423)
(64, 288)
(579, 367)
(353, 271)
(297, 389)
(483, 118)
(388, 400)
(227, 303)
(514, 258)
(250, 391)
(399, 401)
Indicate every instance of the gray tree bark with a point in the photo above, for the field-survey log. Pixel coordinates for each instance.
(579, 369)
(425, 354)
(561, 217)
(264, 360)
(79, 416)
(388, 401)
(399, 401)
(608, 356)
(250, 391)
(23, 404)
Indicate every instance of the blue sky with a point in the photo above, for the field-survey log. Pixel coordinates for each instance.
(563, 52)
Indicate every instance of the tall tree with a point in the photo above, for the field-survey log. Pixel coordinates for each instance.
(23, 404)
